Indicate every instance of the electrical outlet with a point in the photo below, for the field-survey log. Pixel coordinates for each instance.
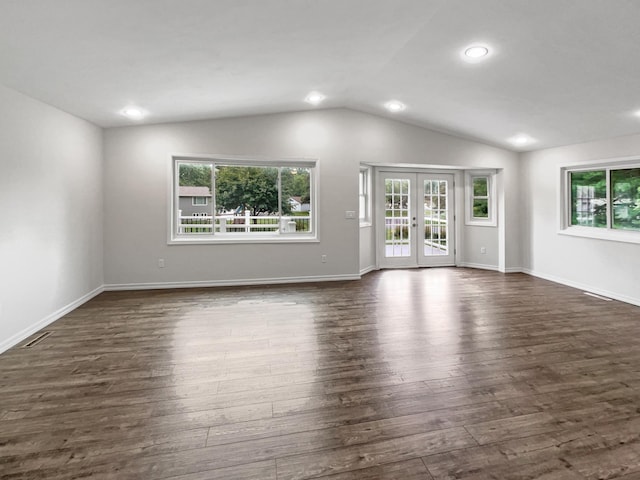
(323, 259)
(350, 214)
(483, 250)
(161, 263)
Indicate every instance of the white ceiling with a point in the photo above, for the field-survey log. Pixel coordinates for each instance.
(561, 71)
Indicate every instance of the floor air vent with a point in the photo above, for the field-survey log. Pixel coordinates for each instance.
(37, 340)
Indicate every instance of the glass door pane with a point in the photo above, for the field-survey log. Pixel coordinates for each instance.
(435, 198)
(436, 217)
(397, 219)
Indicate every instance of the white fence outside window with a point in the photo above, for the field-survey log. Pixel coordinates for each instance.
(247, 223)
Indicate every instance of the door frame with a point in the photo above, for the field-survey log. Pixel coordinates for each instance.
(458, 213)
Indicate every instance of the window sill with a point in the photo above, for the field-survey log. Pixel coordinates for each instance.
(242, 240)
(624, 236)
(365, 224)
(481, 223)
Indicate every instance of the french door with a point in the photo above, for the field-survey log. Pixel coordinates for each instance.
(415, 218)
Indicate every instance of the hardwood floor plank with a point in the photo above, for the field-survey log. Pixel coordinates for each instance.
(248, 471)
(607, 462)
(74, 455)
(513, 427)
(357, 457)
(538, 456)
(251, 430)
(351, 398)
(408, 470)
(631, 476)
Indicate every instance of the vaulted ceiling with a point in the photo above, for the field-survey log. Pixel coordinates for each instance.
(559, 71)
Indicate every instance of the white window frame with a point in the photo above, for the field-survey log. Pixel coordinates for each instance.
(492, 219)
(600, 233)
(238, 238)
(365, 221)
(195, 204)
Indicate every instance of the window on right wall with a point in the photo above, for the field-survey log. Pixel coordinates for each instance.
(606, 198)
(480, 198)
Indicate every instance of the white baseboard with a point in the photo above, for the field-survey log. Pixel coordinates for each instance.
(228, 283)
(27, 332)
(478, 265)
(513, 270)
(490, 267)
(370, 268)
(583, 287)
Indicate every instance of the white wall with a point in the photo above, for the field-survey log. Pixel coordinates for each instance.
(367, 249)
(137, 177)
(476, 238)
(601, 266)
(51, 214)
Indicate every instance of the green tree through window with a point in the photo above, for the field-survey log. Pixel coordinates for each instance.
(625, 185)
(195, 175)
(247, 188)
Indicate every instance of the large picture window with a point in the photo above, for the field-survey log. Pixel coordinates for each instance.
(603, 199)
(245, 200)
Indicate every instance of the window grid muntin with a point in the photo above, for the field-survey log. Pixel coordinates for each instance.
(398, 224)
(435, 243)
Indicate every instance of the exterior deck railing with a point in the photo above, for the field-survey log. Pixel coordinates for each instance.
(397, 231)
(208, 224)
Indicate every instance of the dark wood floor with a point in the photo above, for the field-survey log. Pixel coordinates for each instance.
(415, 374)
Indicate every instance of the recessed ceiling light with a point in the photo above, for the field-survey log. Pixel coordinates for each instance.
(476, 51)
(636, 113)
(314, 98)
(395, 106)
(134, 113)
(520, 140)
